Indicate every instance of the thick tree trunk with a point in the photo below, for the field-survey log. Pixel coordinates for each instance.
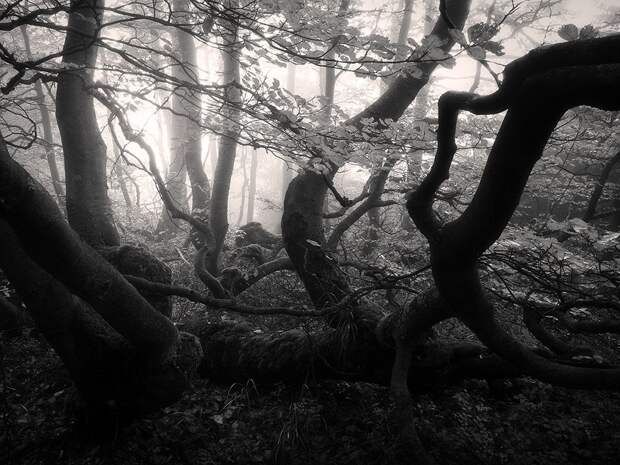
(588, 71)
(120, 351)
(88, 206)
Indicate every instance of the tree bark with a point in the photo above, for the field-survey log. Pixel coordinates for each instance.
(189, 106)
(588, 71)
(186, 146)
(218, 216)
(120, 351)
(88, 205)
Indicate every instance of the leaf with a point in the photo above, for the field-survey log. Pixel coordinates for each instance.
(588, 32)
(448, 63)
(436, 54)
(569, 32)
(481, 32)
(477, 52)
(494, 47)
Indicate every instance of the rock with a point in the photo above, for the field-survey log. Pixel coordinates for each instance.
(254, 233)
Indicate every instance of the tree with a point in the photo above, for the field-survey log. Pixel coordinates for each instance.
(218, 216)
(88, 205)
(96, 319)
(46, 123)
(120, 351)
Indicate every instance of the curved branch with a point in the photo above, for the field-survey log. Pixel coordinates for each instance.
(38, 222)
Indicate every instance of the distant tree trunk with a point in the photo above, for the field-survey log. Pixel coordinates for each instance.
(228, 144)
(88, 205)
(164, 124)
(244, 187)
(136, 186)
(123, 186)
(175, 185)
(374, 214)
(118, 170)
(186, 146)
(46, 123)
(252, 188)
(291, 71)
(330, 69)
(189, 105)
(212, 153)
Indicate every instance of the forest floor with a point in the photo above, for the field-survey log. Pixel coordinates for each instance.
(323, 423)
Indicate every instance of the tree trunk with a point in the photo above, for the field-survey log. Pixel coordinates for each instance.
(228, 144)
(252, 188)
(330, 69)
(46, 123)
(123, 186)
(287, 174)
(118, 170)
(88, 206)
(244, 188)
(175, 184)
(302, 220)
(186, 134)
(588, 71)
(119, 350)
(212, 153)
(188, 104)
